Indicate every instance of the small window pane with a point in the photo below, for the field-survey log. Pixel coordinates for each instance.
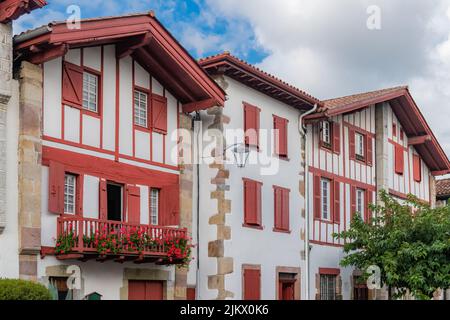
(359, 145)
(154, 206)
(360, 205)
(325, 199)
(90, 91)
(140, 109)
(326, 132)
(69, 193)
(327, 287)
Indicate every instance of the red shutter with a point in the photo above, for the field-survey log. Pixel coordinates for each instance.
(280, 127)
(285, 210)
(251, 125)
(369, 201)
(399, 159)
(417, 168)
(336, 131)
(170, 211)
(337, 202)
(190, 294)
(252, 203)
(352, 201)
(159, 113)
(72, 84)
(56, 188)
(278, 208)
(258, 204)
(252, 284)
(369, 150)
(79, 193)
(394, 130)
(351, 138)
(103, 200)
(317, 197)
(134, 204)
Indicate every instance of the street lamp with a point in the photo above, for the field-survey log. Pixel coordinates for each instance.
(240, 152)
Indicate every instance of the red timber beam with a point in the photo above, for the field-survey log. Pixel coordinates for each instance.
(127, 47)
(12, 9)
(413, 141)
(199, 105)
(46, 55)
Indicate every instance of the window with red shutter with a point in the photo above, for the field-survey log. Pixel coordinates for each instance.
(399, 159)
(369, 201)
(251, 125)
(317, 197)
(352, 201)
(56, 188)
(281, 207)
(134, 204)
(351, 138)
(369, 150)
(252, 203)
(72, 85)
(159, 113)
(103, 200)
(252, 284)
(337, 202)
(280, 136)
(417, 168)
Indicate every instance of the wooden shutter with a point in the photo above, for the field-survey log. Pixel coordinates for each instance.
(351, 138)
(394, 130)
(369, 150)
(252, 284)
(103, 199)
(278, 208)
(280, 127)
(79, 193)
(369, 201)
(352, 201)
(399, 159)
(134, 204)
(251, 125)
(337, 202)
(170, 211)
(56, 188)
(285, 209)
(317, 197)
(72, 84)
(417, 168)
(252, 203)
(258, 204)
(159, 113)
(190, 294)
(336, 131)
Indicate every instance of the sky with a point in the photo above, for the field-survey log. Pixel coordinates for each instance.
(321, 46)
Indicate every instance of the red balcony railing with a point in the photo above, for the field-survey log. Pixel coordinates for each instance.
(82, 237)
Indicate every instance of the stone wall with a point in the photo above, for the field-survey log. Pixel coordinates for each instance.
(5, 95)
(30, 151)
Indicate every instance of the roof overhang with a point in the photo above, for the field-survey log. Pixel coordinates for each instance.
(13, 9)
(141, 36)
(226, 64)
(414, 124)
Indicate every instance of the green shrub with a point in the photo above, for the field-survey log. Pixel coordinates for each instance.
(13, 289)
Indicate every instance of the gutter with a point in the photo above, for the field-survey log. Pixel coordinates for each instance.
(32, 34)
(302, 131)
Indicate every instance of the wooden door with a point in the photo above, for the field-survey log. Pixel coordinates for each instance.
(287, 290)
(145, 290)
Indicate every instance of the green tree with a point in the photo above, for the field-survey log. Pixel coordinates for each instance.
(15, 289)
(409, 242)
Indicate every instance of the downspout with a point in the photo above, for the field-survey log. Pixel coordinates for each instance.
(197, 118)
(302, 131)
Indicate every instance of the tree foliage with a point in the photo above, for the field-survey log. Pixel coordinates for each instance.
(409, 242)
(15, 289)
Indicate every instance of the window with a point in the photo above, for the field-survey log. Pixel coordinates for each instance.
(90, 91)
(399, 159)
(360, 290)
(252, 283)
(326, 133)
(140, 108)
(359, 147)
(328, 287)
(114, 202)
(417, 168)
(360, 203)
(252, 203)
(280, 126)
(251, 125)
(281, 196)
(325, 201)
(154, 206)
(70, 185)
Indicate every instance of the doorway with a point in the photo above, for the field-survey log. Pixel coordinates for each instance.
(115, 202)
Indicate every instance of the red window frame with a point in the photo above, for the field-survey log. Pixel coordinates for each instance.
(149, 97)
(368, 146)
(335, 137)
(335, 199)
(251, 282)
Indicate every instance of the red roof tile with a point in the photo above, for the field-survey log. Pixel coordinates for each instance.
(443, 187)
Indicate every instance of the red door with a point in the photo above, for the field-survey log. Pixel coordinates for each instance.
(145, 290)
(287, 290)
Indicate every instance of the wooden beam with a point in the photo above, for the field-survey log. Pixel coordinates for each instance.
(199, 105)
(44, 56)
(413, 141)
(440, 173)
(127, 47)
(69, 256)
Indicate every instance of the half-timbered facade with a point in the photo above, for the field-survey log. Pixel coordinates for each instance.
(357, 146)
(111, 94)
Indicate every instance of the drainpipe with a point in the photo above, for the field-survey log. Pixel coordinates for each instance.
(302, 131)
(197, 118)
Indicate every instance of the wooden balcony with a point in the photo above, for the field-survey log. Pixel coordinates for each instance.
(86, 238)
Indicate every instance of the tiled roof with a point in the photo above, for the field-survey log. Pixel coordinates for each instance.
(228, 57)
(355, 98)
(443, 187)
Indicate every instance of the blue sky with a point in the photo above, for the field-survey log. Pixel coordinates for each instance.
(321, 46)
(190, 22)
